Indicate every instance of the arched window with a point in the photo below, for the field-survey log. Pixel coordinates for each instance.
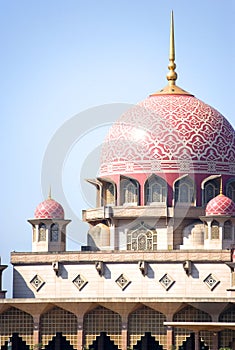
(230, 191)
(142, 238)
(211, 190)
(109, 193)
(184, 190)
(155, 190)
(54, 233)
(129, 191)
(228, 230)
(42, 232)
(215, 230)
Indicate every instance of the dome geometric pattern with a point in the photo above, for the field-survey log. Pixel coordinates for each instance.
(49, 209)
(169, 133)
(220, 205)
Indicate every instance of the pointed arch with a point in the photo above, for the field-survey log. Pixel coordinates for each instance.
(230, 189)
(184, 190)
(155, 190)
(101, 320)
(142, 237)
(41, 232)
(146, 320)
(108, 193)
(210, 188)
(15, 321)
(58, 320)
(54, 232)
(129, 191)
(191, 314)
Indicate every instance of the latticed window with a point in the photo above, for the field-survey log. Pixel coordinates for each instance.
(211, 190)
(146, 320)
(155, 190)
(54, 233)
(228, 230)
(129, 191)
(102, 320)
(184, 191)
(191, 314)
(227, 336)
(58, 320)
(142, 238)
(231, 190)
(42, 232)
(215, 230)
(16, 321)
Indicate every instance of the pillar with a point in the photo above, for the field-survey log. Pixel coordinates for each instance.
(124, 332)
(196, 338)
(80, 333)
(170, 337)
(215, 344)
(36, 330)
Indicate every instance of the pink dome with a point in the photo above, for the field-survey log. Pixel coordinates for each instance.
(220, 205)
(49, 209)
(169, 133)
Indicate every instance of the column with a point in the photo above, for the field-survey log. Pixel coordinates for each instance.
(196, 337)
(36, 331)
(80, 333)
(215, 344)
(170, 337)
(124, 332)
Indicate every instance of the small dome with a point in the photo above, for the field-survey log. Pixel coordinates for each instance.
(49, 209)
(220, 205)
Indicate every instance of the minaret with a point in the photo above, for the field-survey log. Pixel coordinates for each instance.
(49, 227)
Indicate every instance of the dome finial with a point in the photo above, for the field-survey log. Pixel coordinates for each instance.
(171, 88)
(49, 194)
(221, 185)
(172, 75)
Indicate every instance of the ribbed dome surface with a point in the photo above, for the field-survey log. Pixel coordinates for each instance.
(49, 209)
(220, 205)
(169, 133)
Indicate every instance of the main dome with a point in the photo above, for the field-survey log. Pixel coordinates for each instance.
(169, 133)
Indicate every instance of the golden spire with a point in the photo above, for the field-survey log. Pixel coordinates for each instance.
(171, 88)
(49, 194)
(172, 75)
(221, 185)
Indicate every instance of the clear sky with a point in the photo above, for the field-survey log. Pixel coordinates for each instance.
(59, 58)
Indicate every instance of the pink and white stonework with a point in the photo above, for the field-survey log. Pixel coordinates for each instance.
(49, 209)
(158, 269)
(167, 134)
(221, 205)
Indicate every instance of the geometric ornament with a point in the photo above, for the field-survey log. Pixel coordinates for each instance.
(122, 281)
(220, 205)
(211, 281)
(37, 282)
(166, 281)
(80, 281)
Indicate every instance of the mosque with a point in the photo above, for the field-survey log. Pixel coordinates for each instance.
(157, 272)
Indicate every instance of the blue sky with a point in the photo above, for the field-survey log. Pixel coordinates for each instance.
(59, 58)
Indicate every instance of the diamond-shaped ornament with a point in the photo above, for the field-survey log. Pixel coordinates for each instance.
(80, 281)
